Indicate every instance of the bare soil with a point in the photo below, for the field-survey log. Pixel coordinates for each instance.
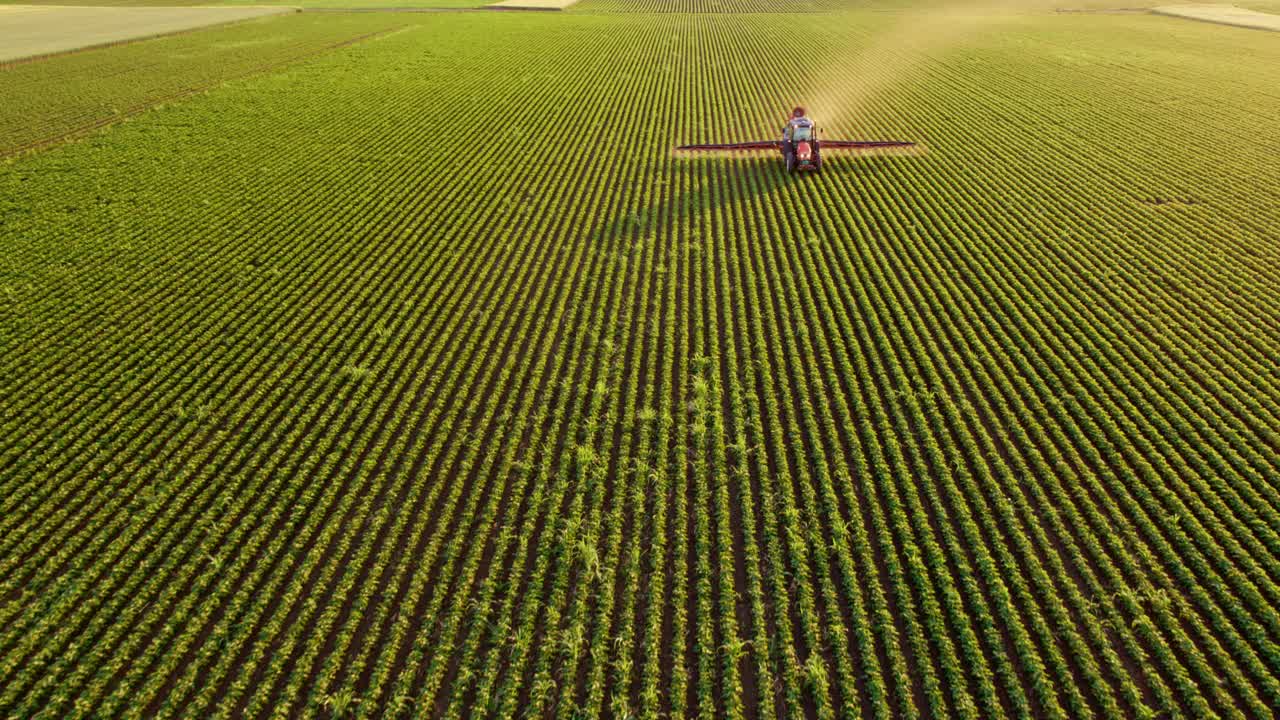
(34, 30)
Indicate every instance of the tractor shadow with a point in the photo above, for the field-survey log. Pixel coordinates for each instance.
(692, 191)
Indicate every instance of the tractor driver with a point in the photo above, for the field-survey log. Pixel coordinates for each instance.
(798, 119)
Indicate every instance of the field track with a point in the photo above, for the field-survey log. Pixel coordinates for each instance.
(417, 377)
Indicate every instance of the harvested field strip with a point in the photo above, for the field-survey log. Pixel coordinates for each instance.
(1223, 15)
(352, 423)
(109, 3)
(34, 30)
(341, 6)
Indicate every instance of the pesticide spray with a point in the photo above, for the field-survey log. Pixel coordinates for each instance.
(897, 51)
(888, 57)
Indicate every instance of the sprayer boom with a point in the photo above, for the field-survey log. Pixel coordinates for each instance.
(802, 151)
(776, 144)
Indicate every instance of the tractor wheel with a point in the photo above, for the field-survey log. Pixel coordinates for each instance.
(817, 160)
(791, 162)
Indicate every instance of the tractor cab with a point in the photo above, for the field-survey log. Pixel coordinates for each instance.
(801, 150)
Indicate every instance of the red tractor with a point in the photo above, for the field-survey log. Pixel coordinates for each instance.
(803, 151)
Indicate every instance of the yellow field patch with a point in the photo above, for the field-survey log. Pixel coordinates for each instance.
(1224, 14)
(32, 30)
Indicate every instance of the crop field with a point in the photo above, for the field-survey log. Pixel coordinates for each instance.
(66, 98)
(393, 365)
